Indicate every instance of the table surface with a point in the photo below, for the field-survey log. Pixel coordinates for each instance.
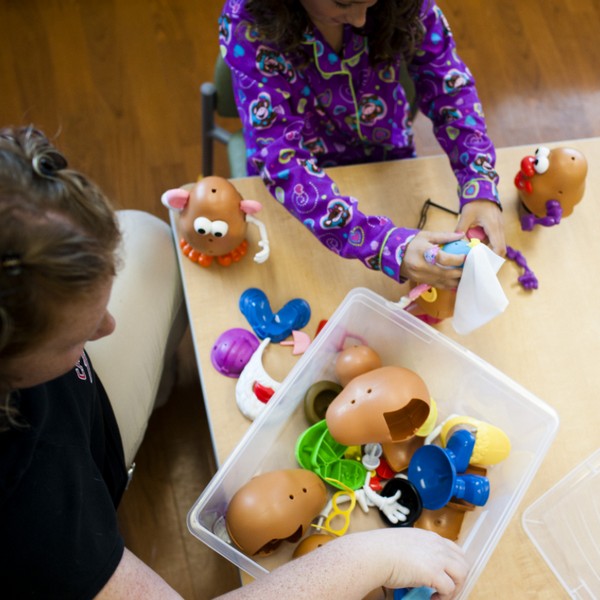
(547, 340)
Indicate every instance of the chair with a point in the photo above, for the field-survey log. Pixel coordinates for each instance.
(137, 362)
(217, 97)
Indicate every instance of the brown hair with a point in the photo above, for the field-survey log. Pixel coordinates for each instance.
(58, 242)
(393, 27)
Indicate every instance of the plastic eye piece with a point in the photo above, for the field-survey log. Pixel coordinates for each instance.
(219, 228)
(541, 164)
(542, 151)
(202, 225)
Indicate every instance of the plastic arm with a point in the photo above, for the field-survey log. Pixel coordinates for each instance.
(261, 256)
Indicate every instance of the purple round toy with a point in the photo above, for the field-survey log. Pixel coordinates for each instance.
(232, 351)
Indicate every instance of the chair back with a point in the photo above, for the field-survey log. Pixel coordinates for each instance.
(225, 103)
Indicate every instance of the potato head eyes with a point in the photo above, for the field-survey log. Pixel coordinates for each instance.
(541, 162)
(204, 226)
(219, 228)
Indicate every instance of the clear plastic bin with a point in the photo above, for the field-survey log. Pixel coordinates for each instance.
(457, 379)
(564, 525)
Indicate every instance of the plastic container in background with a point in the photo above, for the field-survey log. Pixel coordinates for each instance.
(564, 525)
(457, 379)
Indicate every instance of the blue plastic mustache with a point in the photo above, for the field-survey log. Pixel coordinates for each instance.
(278, 326)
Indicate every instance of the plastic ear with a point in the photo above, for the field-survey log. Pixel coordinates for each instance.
(176, 199)
(250, 207)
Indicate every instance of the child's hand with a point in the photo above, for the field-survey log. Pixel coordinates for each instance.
(485, 214)
(424, 262)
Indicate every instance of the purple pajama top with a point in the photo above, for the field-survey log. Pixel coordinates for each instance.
(337, 110)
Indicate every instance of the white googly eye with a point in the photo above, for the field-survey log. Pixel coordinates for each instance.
(542, 151)
(202, 225)
(541, 164)
(220, 228)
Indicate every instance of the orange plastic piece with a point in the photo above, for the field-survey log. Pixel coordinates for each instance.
(204, 260)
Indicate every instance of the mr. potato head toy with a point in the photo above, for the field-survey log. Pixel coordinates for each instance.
(274, 507)
(213, 221)
(378, 404)
(550, 184)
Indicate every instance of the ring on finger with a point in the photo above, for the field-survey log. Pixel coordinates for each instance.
(430, 255)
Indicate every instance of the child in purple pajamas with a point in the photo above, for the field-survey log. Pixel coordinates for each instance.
(317, 85)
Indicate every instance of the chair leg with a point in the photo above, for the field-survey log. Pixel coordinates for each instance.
(208, 94)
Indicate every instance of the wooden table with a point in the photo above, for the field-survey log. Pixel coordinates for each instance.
(548, 340)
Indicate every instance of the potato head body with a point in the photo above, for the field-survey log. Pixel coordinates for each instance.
(213, 221)
(273, 507)
(550, 184)
(388, 404)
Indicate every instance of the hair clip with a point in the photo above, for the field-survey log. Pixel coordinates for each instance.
(49, 163)
(11, 263)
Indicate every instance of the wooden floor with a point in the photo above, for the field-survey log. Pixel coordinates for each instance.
(117, 84)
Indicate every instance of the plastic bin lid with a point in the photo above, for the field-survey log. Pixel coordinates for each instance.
(564, 525)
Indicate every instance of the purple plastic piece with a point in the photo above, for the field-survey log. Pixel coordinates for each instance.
(232, 351)
(528, 280)
(552, 218)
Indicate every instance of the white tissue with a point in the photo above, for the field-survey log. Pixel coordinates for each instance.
(479, 297)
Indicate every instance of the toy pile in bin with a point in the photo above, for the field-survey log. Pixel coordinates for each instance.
(373, 440)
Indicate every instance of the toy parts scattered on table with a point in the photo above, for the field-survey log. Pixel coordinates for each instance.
(238, 352)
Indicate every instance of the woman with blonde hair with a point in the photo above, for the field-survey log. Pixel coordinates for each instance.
(65, 447)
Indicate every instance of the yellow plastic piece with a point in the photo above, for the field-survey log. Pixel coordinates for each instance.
(344, 495)
(491, 443)
(429, 424)
(430, 295)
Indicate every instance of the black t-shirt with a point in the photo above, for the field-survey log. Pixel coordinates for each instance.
(61, 479)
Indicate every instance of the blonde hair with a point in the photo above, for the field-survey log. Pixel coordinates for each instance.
(58, 242)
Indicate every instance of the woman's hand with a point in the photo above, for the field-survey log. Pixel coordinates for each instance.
(485, 214)
(355, 564)
(416, 558)
(444, 272)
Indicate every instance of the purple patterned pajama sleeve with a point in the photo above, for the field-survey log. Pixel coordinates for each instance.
(338, 110)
